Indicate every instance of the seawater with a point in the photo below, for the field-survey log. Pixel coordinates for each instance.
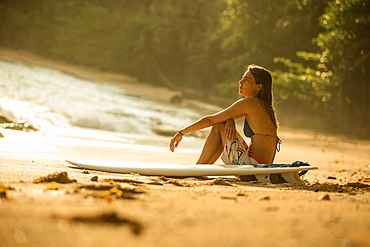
(52, 100)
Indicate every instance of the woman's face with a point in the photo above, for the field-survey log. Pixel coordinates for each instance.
(248, 86)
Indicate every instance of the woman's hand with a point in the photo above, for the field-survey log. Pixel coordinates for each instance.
(176, 139)
(230, 129)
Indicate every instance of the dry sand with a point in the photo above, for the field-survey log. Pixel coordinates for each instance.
(133, 210)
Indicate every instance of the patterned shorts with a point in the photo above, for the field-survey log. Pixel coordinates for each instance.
(236, 152)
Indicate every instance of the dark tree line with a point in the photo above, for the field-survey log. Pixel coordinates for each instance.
(317, 50)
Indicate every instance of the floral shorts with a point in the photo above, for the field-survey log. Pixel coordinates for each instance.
(236, 152)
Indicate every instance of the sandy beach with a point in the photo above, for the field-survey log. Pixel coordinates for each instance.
(46, 202)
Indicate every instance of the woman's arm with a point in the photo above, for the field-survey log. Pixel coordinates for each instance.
(202, 123)
(237, 110)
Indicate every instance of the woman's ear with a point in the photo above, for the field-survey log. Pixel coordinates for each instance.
(259, 87)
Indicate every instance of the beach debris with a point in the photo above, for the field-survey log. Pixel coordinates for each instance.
(60, 177)
(95, 178)
(364, 179)
(111, 218)
(52, 186)
(219, 181)
(358, 185)
(163, 178)
(97, 187)
(155, 183)
(129, 181)
(330, 177)
(111, 195)
(323, 197)
(316, 186)
(228, 198)
(174, 182)
(109, 192)
(241, 194)
(4, 193)
(263, 198)
(85, 171)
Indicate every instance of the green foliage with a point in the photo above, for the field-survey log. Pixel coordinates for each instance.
(346, 47)
(255, 32)
(317, 50)
(77, 39)
(340, 76)
(163, 42)
(300, 83)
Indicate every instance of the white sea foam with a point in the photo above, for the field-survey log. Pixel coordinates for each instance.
(49, 99)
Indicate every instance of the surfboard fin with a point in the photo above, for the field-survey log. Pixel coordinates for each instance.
(276, 178)
(288, 177)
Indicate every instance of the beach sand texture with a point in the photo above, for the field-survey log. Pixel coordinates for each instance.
(75, 207)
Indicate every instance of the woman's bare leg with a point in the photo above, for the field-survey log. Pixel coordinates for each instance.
(214, 145)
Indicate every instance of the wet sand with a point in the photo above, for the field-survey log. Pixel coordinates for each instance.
(331, 209)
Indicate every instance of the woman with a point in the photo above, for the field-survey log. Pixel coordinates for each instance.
(260, 124)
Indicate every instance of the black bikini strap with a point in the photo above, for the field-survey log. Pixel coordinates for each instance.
(278, 140)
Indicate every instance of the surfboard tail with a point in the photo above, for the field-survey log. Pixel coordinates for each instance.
(288, 177)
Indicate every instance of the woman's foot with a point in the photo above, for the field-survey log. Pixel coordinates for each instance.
(247, 178)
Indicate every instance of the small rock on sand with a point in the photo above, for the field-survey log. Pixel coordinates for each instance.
(263, 198)
(60, 177)
(324, 197)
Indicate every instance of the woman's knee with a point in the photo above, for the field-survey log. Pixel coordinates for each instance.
(219, 127)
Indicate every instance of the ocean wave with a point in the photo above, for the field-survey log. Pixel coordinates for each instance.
(47, 98)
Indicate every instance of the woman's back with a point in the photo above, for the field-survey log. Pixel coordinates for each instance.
(264, 140)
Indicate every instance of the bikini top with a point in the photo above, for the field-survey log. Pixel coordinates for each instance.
(248, 132)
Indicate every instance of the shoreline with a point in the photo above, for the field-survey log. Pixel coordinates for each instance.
(332, 209)
(128, 83)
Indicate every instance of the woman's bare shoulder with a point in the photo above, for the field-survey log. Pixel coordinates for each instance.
(250, 102)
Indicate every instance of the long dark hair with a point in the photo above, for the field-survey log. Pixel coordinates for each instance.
(263, 76)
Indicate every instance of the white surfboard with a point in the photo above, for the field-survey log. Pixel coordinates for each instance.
(267, 175)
